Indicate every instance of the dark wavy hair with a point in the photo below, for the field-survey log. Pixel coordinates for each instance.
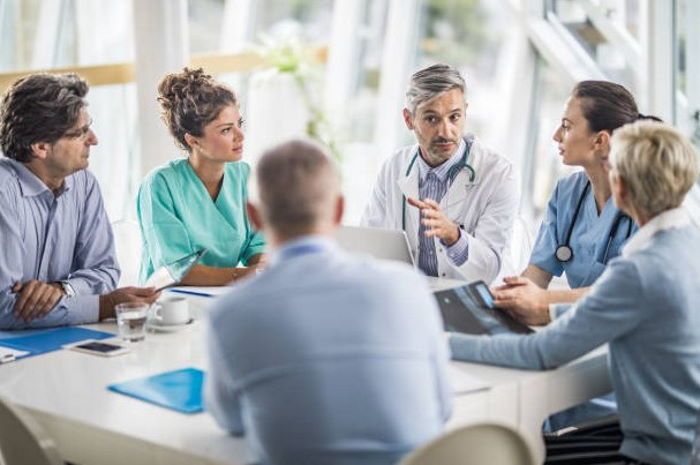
(39, 108)
(607, 106)
(190, 100)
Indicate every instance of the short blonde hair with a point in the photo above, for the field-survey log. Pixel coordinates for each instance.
(657, 164)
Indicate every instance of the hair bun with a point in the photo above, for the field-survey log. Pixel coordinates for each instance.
(177, 87)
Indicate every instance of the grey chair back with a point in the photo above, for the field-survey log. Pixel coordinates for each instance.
(23, 441)
(480, 444)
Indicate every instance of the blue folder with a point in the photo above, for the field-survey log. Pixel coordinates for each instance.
(48, 340)
(179, 390)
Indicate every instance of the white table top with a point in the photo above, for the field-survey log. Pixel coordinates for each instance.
(66, 391)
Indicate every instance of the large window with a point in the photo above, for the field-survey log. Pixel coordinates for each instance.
(41, 35)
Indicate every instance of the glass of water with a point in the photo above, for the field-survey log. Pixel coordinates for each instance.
(131, 319)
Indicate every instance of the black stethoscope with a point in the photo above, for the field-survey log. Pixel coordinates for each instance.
(463, 164)
(564, 252)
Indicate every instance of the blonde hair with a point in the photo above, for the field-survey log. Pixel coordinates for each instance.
(657, 164)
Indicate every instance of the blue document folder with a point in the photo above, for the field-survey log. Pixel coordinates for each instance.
(179, 390)
(48, 340)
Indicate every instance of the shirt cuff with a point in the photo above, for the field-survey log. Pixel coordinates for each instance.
(459, 251)
(82, 309)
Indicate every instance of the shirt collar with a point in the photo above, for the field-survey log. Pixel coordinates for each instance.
(30, 184)
(309, 244)
(442, 170)
(674, 218)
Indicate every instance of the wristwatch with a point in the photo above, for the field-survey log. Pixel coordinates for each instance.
(67, 288)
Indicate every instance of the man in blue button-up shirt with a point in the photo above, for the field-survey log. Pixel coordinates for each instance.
(324, 358)
(58, 264)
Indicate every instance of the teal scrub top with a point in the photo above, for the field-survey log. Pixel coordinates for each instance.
(177, 216)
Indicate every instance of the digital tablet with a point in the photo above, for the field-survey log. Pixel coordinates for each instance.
(469, 309)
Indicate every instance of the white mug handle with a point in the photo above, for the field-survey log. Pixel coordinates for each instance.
(156, 312)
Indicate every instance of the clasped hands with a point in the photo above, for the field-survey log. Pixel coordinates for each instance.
(523, 299)
(37, 298)
(437, 224)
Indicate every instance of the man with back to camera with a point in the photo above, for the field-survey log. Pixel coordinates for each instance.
(455, 198)
(58, 265)
(324, 358)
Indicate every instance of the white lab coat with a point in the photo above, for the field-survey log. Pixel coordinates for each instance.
(484, 208)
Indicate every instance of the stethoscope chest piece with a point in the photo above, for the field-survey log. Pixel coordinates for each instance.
(564, 253)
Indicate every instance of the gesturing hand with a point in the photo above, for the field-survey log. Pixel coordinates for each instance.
(437, 224)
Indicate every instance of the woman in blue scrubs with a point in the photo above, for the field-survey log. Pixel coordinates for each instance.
(582, 229)
(199, 202)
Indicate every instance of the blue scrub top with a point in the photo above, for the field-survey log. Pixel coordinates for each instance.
(589, 237)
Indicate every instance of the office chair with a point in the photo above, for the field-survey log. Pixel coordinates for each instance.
(127, 242)
(474, 445)
(23, 441)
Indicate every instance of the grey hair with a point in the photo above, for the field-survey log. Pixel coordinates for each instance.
(297, 185)
(657, 163)
(428, 83)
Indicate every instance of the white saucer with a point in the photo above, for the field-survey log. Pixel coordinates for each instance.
(153, 325)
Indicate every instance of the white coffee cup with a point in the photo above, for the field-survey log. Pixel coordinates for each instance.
(171, 310)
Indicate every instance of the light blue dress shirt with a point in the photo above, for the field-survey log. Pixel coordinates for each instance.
(589, 238)
(329, 359)
(645, 305)
(62, 237)
(433, 184)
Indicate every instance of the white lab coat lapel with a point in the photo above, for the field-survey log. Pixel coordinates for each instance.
(455, 199)
(409, 188)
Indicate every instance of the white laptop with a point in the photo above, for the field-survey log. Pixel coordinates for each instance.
(384, 244)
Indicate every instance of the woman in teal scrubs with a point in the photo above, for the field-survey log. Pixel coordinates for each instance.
(199, 202)
(582, 229)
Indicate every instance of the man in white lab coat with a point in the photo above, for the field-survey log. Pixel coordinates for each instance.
(455, 198)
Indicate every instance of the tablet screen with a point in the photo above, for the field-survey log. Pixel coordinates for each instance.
(464, 309)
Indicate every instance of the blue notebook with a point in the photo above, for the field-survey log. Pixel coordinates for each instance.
(179, 390)
(48, 340)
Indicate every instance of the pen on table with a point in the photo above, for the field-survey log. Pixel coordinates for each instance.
(197, 293)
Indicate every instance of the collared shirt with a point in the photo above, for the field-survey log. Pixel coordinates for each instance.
(54, 237)
(177, 217)
(674, 218)
(433, 184)
(328, 358)
(645, 307)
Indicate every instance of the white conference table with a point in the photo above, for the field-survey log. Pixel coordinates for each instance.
(66, 392)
